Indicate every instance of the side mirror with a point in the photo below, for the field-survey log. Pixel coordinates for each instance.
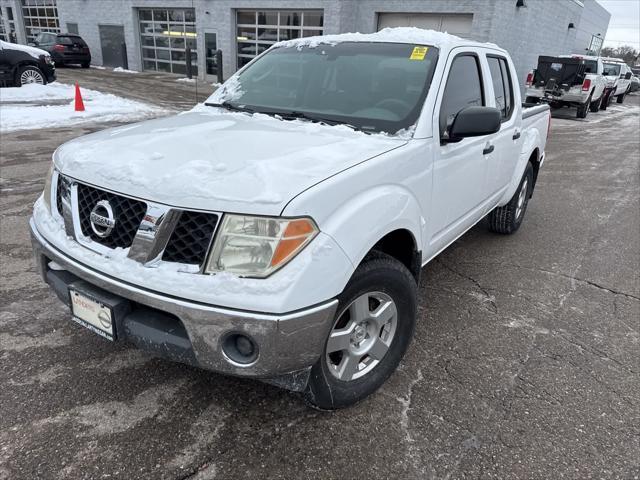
(627, 76)
(474, 122)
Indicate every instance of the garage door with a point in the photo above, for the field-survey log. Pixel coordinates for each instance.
(456, 24)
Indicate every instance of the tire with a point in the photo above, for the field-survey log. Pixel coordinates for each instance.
(507, 219)
(620, 98)
(583, 110)
(380, 283)
(85, 65)
(29, 74)
(595, 106)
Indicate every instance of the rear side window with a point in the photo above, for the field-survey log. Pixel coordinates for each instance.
(501, 79)
(463, 89)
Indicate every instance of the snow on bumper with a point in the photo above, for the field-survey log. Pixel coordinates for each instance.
(287, 342)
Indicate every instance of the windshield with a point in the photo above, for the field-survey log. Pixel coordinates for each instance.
(611, 69)
(371, 86)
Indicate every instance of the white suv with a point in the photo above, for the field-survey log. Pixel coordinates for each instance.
(618, 76)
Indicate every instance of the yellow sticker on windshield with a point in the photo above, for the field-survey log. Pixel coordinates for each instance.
(418, 53)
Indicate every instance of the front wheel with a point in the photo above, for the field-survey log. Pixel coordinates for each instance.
(373, 327)
(85, 65)
(29, 74)
(507, 219)
(620, 98)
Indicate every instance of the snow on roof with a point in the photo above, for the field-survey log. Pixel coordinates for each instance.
(34, 52)
(389, 35)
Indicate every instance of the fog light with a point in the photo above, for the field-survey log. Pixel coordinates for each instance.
(240, 348)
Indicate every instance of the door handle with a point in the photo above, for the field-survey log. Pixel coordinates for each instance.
(516, 136)
(488, 148)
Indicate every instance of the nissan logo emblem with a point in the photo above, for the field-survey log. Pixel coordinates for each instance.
(102, 219)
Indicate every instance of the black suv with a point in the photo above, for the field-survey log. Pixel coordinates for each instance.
(64, 48)
(20, 64)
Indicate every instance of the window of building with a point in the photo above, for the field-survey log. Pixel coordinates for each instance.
(164, 36)
(257, 30)
(3, 33)
(463, 89)
(72, 28)
(39, 16)
(501, 80)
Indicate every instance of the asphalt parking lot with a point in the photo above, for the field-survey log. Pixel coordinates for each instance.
(526, 361)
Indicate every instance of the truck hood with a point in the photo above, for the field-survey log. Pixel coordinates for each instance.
(211, 159)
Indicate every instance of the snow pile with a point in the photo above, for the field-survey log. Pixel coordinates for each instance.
(124, 70)
(34, 52)
(412, 35)
(186, 80)
(17, 114)
(229, 91)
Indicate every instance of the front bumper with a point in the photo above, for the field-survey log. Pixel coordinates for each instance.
(287, 343)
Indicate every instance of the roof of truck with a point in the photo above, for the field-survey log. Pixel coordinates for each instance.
(411, 35)
(612, 60)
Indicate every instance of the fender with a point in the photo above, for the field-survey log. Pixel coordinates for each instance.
(366, 218)
(530, 144)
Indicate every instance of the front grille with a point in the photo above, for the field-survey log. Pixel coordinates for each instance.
(191, 238)
(128, 214)
(62, 191)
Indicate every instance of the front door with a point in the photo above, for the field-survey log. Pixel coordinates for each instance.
(460, 169)
(111, 42)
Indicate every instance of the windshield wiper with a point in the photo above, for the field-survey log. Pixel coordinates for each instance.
(290, 115)
(230, 106)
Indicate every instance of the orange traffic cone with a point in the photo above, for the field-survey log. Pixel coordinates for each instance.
(79, 104)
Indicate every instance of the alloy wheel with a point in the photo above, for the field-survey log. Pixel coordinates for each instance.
(361, 336)
(31, 76)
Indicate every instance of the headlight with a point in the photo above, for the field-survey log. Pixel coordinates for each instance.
(258, 246)
(46, 195)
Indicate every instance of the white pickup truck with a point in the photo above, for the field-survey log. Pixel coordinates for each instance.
(617, 75)
(568, 81)
(278, 231)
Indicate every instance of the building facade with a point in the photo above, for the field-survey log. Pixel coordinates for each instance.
(161, 34)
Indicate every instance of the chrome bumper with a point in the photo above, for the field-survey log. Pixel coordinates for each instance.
(286, 343)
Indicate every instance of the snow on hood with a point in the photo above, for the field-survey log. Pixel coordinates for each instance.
(390, 35)
(216, 160)
(33, 51)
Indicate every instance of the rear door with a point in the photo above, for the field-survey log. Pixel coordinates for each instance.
(460, 169)
(507, 143)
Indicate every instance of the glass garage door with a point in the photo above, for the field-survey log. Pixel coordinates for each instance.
(164, 35)
(39, 16)
(257, 30)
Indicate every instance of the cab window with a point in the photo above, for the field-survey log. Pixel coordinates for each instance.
(501, 79)
(463, 89)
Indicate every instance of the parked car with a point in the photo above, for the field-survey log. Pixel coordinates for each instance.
(634, 86)
(567, 81)
(618, 77)
(21, 64)
(278, 231)
(65, 48)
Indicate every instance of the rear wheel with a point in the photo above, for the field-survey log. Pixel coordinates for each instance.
(29, 74)
(595, 106)
(507, 219)
(372, 330)
(583, 110)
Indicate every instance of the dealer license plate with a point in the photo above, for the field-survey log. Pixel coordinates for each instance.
(92, 314)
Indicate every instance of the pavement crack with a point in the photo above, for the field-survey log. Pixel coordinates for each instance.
(486, 296)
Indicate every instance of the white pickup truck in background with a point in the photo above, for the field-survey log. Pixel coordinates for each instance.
(278, 231)
(617, 75)
(568, 81)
